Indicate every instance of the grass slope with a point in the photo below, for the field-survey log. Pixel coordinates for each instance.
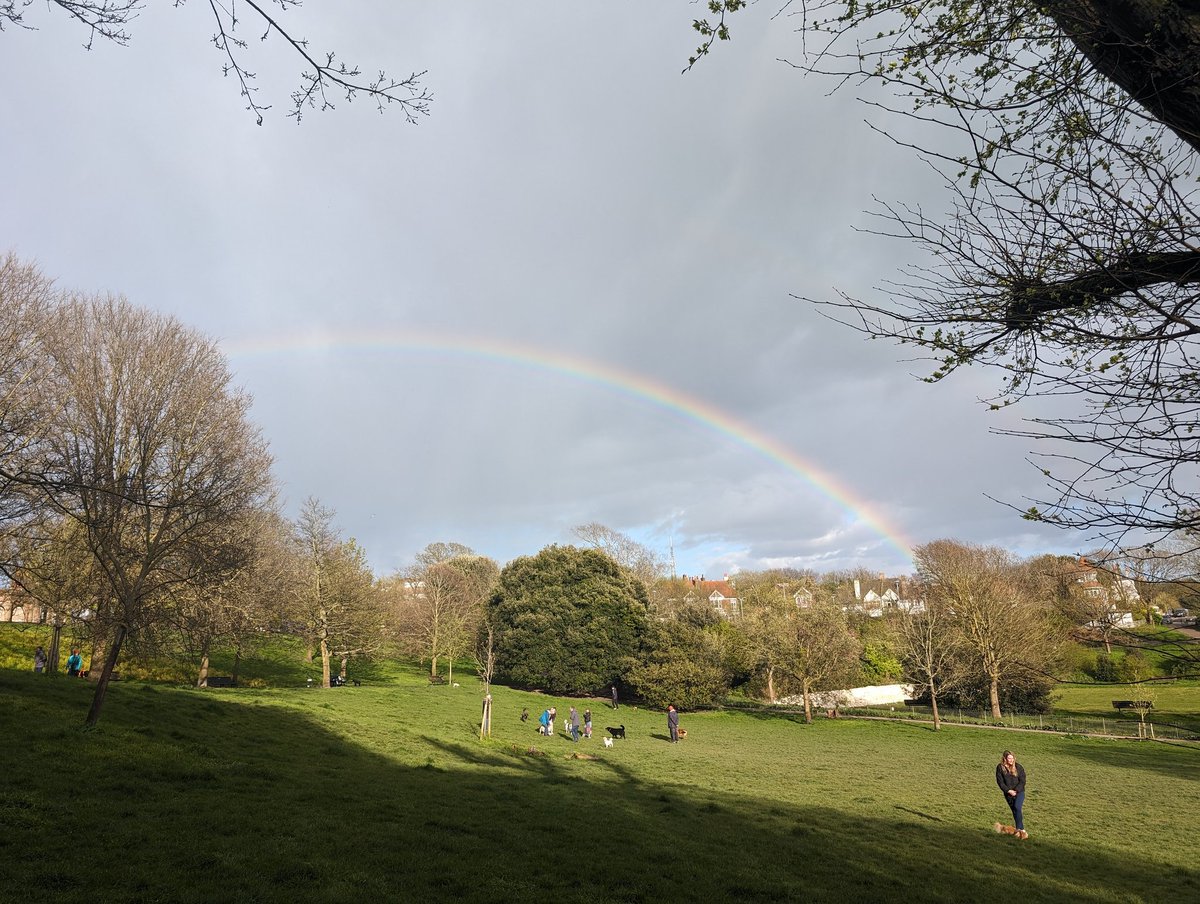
(384, 792)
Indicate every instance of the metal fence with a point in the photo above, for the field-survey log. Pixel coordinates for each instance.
(1114, 726)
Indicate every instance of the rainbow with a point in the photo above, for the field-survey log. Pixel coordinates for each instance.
(596, 373)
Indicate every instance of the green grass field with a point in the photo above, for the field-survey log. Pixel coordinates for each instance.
(384, 792)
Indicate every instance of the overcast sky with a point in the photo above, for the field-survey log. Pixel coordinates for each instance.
(566, 295)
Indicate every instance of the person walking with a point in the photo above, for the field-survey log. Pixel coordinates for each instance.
(673, 723)
(614, 696)
(574, 716)
(1010, 776)
(74, 663)
(587, 724)
(39, 660)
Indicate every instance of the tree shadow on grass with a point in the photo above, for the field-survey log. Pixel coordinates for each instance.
(187, 799)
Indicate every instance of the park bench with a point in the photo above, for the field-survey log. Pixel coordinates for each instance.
(436, 679)
(220, 681)
(1132, 704)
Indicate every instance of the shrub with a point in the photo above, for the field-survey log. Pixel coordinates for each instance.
(683, 665)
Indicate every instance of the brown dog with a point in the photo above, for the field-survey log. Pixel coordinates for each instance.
(1011, 830)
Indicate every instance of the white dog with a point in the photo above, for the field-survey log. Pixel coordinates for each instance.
(608, 742)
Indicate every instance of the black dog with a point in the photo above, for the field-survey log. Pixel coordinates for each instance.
(617, 733)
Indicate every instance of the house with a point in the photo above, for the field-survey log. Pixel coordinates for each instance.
(876, 597)
(720, 595)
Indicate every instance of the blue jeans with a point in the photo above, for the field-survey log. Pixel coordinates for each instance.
(1015, 804)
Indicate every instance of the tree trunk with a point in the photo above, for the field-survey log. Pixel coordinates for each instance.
(937, 721)
(1149, 48)
(99, 654)
(807, 706)
(324, 663)
(110, 663)
(450, 680)
(994, 694)
(55, 640)
(342, 673)
(308, 655)
(771, 683)
(237, 662)
(202, 680)
(433, 666)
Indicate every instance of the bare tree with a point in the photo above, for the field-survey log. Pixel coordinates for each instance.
(440, 601)
(1004, 630)
(1070, 261)
(819, 651)
(640, 560)
(333, 591)
(930, 649)
(232, 606)
(26, 301)
(149, 449)
(324, 77)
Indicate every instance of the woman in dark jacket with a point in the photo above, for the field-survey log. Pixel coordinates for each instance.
(1010, 776)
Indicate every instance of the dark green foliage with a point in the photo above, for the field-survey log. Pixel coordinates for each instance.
(1022, 694)
(1105, 668)
(567, 620)
(684, 665)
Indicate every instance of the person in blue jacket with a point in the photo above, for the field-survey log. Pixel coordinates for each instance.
(544, 722)
(1010, 776)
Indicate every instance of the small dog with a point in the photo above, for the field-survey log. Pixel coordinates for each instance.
(618, 732)
(608, 742)
(682, 732)
(1011, 830)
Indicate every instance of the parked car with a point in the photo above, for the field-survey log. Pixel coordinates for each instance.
(1178, 618)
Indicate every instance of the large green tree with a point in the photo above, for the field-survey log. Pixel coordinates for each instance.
(566, 620)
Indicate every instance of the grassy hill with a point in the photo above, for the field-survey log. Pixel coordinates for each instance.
(384, 792)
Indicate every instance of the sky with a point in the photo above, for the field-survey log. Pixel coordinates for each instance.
(569, 294)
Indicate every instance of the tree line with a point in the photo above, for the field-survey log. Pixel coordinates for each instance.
(137, 504)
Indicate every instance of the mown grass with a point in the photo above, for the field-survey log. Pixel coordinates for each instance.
(385, 792)
(1176, 702)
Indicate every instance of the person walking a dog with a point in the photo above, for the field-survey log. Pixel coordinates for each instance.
(673, 722)
(544, 722)
(1010, 776)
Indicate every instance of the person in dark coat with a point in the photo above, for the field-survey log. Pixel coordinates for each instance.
(574, 724)
(1010, 776)
(614, 696)
(673, 723)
